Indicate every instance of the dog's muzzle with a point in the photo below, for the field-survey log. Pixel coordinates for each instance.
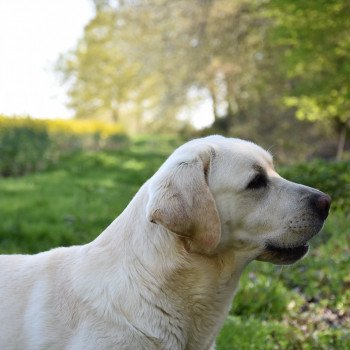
(319, 204)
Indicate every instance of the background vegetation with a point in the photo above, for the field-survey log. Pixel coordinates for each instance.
(272, 71)
(28, 145)
(276, 71)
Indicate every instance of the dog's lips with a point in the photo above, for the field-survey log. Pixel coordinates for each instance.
(283, 255)
(302, 249)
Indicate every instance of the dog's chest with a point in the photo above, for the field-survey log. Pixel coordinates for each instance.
(189, 323)
(207, 297)
(208, 314)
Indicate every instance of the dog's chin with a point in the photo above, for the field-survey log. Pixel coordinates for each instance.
(283, 256)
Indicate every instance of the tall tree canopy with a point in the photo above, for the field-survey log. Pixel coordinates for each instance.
(313, 43)
(142, 61)
(149, 55)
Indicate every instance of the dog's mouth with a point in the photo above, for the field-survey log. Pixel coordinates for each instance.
(283, 256)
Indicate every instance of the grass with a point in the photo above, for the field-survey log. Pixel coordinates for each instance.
(304, 306)
(72, 202)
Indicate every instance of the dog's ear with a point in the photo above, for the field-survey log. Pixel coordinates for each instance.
(180, 200)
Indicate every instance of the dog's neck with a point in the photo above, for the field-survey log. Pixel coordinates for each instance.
(152, 266)
(133, 239)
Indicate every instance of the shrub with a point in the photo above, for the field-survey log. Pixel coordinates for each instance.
(24, 148)
(27, 145)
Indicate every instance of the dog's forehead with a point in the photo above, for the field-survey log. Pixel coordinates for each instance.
(228, 150)
(234, 151)
(248, 153)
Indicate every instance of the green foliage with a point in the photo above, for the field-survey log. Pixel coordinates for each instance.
(110, 82)
(135, 56)
(261, 64)
(23, 149)
(28, 145)
(312, 39)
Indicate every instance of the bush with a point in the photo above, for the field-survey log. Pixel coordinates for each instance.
(23, 149)
(28, 145)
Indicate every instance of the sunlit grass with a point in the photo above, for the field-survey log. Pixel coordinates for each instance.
(72, 202)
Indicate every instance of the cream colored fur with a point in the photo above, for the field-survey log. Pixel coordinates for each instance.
(163, 274)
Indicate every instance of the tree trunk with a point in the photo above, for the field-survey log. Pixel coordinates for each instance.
(230, 115)
(114, 114)
(215, 103)
(341, 141)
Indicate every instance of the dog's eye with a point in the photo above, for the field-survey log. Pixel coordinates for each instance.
(258, 181)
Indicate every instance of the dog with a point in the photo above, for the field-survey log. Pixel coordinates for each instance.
(164, 273)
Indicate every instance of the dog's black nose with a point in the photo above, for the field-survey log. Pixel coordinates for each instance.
(321, 203)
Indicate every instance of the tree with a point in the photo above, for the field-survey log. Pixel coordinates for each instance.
(312, 39)
(140, 62)
(151, 54)
(208, 45)
(106, 81)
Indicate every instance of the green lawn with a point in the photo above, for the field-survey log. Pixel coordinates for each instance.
(304, 306)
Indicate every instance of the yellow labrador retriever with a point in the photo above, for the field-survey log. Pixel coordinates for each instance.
(163, 274)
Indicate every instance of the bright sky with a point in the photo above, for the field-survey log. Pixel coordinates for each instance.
(32, 35)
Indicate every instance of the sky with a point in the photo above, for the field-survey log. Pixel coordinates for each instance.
(33, 33)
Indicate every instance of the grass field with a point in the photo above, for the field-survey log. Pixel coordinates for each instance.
(304, 306)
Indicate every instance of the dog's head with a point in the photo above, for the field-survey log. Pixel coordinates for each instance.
(219, 193)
